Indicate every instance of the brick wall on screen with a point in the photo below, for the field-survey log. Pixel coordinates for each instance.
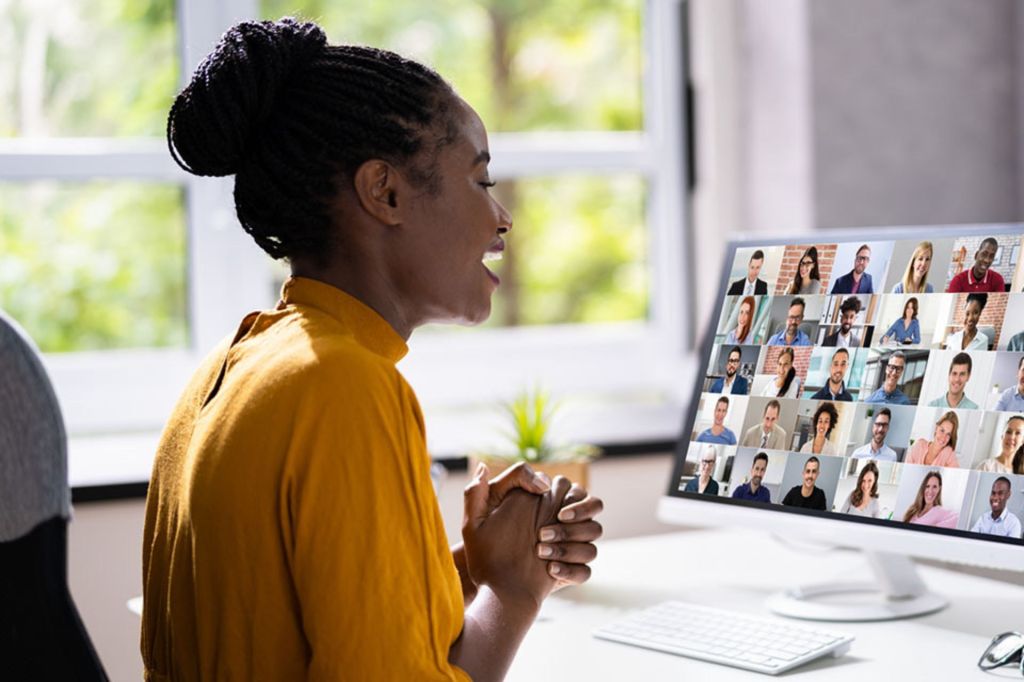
(995, 310)
(791, 260)
(972, 244)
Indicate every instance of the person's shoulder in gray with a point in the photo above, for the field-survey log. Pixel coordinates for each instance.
(33, 443)
(1016, 342)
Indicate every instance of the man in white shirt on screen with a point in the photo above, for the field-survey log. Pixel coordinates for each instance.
(876, 447)
(767, 434)
(998, 521)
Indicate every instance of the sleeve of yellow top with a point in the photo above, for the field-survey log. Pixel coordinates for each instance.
(373, 576)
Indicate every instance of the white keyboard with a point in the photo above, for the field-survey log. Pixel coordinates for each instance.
(765, 645)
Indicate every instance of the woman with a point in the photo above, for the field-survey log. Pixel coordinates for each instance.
(1010, 459)
(927, 508)
(291, 530)
(940, 451)
(916, 275)
(824, 420)
(806, 279)
(969, 338)
(703, 483)
(744, 331)
(906, 329)
(863, 500)
(785, 384)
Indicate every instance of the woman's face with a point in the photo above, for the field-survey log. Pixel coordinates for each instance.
(909, 310)
(823, 423)
(806, 264)
(443, 237)
(867, 483)
(922, 262)
(785, 362)
(931, 490)
(943, 432)
(972, 315)
(745, 312)
(1013, 436)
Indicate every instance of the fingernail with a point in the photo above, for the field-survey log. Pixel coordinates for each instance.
(543, 550)
(547, 535)
(556, 569)
(481, 468)
(567, 515)
(542, 481)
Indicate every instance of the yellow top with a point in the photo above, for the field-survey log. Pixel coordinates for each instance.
(291, 529)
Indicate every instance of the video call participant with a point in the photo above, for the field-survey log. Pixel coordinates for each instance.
(1010, 459)
(998, 520)
(1016, 342)
(1012, 399)
(785, 384)
(969, 338)
(863, 499)
(835, 387)
(940, 451)
(824, 421)
(732, 382)
(905, 330)
(753, 490)
(806, 279)
(751, 285)
(767, 434)
(703, 483)
(927, 507)
(717, 432)
(915, 277)
(792, 335)
(979, 277)
(744, 331)
(808, 495)
(856, 281)
(844, 336)
(888, 391)
(959, 374)
(876, 447)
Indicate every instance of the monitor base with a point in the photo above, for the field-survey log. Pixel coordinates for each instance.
(896, 592)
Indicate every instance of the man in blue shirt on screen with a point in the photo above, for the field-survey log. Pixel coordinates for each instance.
(792, 335)
(887, 392)
(718, 433)
(1012, 399)
(856, 281)
(754, 490)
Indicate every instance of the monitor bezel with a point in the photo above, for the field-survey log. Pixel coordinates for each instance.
(882, 535)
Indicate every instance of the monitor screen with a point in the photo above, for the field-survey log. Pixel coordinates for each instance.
(876, 378)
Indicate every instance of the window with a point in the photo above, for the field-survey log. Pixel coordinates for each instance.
(127, 270)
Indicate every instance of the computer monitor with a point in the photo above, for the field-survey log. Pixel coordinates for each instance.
(864, 388)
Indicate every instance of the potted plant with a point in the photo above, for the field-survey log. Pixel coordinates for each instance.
(530, 415)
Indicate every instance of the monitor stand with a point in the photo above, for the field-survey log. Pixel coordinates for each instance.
(897, 591)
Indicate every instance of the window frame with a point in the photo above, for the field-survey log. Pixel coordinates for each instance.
(133, 391)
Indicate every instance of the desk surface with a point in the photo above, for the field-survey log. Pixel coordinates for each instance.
(737, 570)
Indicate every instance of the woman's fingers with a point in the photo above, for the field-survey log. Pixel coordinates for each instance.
(568, 552)
(583, 510)
(568, 574)
(585, 531)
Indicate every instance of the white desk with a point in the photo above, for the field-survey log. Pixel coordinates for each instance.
(736, 570)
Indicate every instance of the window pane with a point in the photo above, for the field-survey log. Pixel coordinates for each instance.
(577, 251)
(529, 65)
(92, 266)
(88, 68)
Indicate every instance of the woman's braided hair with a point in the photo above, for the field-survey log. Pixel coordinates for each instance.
(290, 116)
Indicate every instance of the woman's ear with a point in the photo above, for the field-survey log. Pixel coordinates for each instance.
(379, 189)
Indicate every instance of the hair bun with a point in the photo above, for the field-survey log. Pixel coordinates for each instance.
(234, 91)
